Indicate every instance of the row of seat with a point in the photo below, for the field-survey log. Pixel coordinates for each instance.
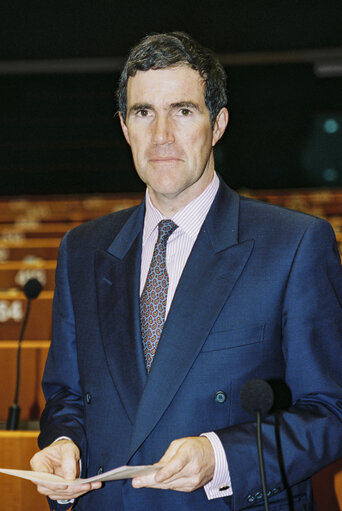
(323, 203)
(30, 233)
(63, 209)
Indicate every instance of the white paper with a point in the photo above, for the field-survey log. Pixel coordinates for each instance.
(124, 472)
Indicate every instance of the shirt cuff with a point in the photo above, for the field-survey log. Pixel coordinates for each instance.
(220, 485)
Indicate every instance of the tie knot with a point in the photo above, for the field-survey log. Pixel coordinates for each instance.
(165, 229)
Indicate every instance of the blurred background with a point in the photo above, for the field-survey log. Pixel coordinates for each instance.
(60, 63)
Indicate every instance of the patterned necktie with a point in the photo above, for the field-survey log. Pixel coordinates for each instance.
(154, 295)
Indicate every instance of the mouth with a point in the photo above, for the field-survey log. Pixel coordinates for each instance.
(165, 159)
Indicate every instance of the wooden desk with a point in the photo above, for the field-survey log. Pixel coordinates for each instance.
(339, 241)
(31, 398)
(327, 487)
(26, 230)
(12, 310)
(43, 248)
(338, 486)
(62, 209)
(16, 450)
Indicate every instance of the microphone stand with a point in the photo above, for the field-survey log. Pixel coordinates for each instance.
(257, 398)
(261, 459)
(14, 410)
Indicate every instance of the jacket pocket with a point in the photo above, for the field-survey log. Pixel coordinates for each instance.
(234, 338)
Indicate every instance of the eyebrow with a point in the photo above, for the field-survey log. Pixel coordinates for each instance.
(185, 104)
(179, 104)
(140, 106)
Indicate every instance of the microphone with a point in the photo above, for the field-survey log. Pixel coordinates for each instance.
(257, 398)
(31, 289)
(257, 395)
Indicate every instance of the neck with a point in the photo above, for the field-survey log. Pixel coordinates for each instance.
(170, 204)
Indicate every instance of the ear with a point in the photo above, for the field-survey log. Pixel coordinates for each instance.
(220, 125)
(124, 128)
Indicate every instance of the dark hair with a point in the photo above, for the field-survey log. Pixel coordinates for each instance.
(160, 51)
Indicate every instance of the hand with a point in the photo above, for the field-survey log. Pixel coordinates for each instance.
(188, 464)
(61, 458)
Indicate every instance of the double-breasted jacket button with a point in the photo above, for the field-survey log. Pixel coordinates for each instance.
(220, 396)
(100, 471)
(88, 398)
(250, 498)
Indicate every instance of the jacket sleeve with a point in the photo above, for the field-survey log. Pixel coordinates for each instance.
(63, 413)
(307, 436)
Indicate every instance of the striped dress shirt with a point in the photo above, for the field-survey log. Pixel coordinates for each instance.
(179, 245)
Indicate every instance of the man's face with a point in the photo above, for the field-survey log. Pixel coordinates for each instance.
(171, 137)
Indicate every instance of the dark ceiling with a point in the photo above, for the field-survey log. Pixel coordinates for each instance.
(84, 28)
(57, 132)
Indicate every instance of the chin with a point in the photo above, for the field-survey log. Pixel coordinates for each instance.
(167, 182)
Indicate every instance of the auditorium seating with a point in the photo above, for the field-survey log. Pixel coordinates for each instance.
(12, 310)
(14, 274)
(322, 203)
(33, 358)
(63, 209)
(30, 233)
(14, 231)
(29, 249)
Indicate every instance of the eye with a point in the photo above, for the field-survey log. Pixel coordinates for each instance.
(142, 113)
(185, 112)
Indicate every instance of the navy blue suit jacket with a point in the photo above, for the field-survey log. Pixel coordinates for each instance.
(260, 297)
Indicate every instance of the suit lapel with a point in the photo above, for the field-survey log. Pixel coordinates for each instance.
(117, 273)
(209, 276)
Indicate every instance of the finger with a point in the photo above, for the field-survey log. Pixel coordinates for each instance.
(63, 489)
(68, 492)
(171, 451)
(172, 469)
(183, 484)
(40, 463)
(193, 462)
(162, 475)
(171, 464)
(69, 462)
(50, 488)
(57, 496)
(139, 482)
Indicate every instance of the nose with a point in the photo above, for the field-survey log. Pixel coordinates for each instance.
(162, 131)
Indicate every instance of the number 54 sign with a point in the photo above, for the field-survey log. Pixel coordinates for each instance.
(11, 310)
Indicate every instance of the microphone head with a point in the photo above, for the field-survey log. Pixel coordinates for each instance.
(257, 395)
(32, 288)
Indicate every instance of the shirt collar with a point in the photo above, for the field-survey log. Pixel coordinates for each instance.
(189, 219)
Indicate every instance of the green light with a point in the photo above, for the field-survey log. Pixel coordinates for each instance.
(331, 126)
(330, 175)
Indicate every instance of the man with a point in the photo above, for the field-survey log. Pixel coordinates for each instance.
(163, 312)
